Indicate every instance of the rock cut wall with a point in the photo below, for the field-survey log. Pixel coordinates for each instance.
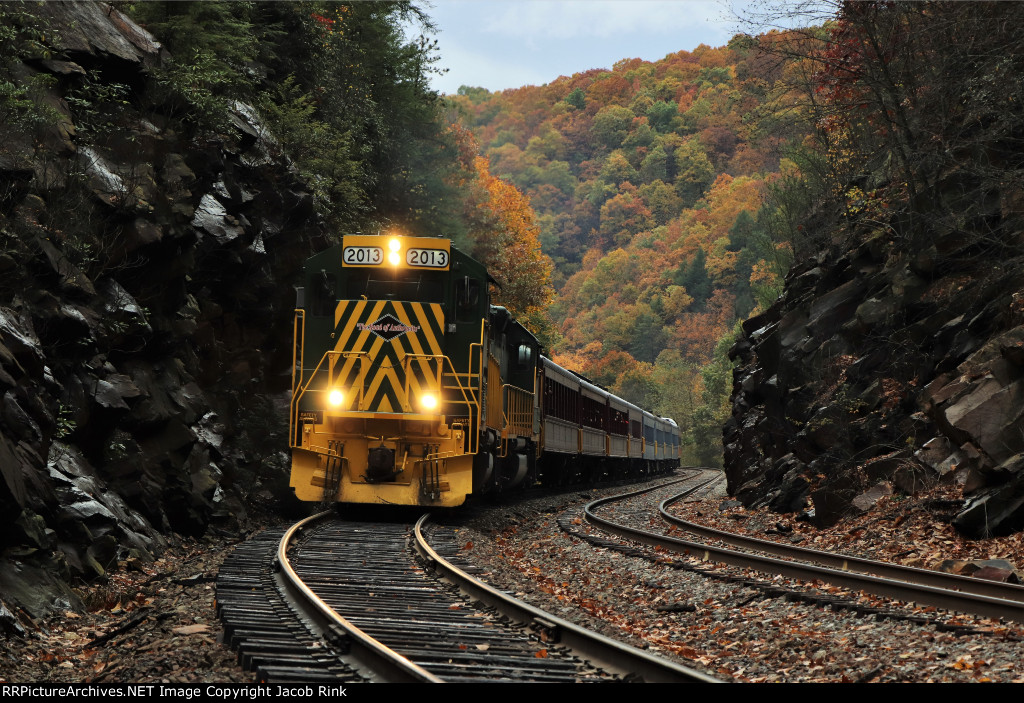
(876, 372)
(146, 274)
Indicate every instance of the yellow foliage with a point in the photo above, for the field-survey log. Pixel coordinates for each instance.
(509, 245)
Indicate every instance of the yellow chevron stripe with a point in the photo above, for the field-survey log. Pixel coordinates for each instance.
(388, 379)
(422, 316)
(389, 374)
(403, 315)
(366, 335)
(386, 372)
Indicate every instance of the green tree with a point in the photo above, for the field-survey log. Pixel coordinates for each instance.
(617, 169)
(693, 276)
(210, 44)
(577, 98)
(661, 199)
(22, 39)
(664, 115)
(612, 124)
(694, 174)
(475, 95)
(654, 167)
(648, 335)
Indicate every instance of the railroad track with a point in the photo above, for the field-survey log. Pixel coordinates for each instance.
(925, 587)
(333, 600)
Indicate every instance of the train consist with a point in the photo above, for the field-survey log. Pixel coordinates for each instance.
(410, 388)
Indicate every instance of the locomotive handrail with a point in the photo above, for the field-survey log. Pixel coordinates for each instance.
(301, 344)
(469, 399)
(517, 414)
(439, 369)
(302, 392)
(469, 396)
(495, 398)
(474, 431)
(298, 329)
(360, 381)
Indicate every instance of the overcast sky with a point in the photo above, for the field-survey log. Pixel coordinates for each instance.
(498, 44)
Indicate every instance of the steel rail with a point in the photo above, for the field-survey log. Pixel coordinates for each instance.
(602, 651)
(378, 662)
(978, 604)
(927, 577)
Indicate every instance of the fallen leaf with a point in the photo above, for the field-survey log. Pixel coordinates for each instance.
(190, 629)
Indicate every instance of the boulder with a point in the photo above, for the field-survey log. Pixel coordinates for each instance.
(866, 500)
(212, 217)
(97, 29)
(990, 511)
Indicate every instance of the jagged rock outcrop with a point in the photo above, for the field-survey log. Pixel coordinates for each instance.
(876, 370)
(145, 302)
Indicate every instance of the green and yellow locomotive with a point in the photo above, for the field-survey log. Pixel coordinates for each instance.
(408, 386)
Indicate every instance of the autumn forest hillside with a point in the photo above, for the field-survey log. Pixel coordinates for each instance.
(652, 185)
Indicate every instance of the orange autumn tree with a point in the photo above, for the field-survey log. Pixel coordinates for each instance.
(506, 239)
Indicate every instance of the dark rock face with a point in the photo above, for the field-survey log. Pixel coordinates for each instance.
(145, 323)
(871, 370)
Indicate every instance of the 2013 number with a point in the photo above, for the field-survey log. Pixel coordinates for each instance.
(356, 256)
(431, 258)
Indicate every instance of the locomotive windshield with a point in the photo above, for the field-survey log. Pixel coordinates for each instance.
(405, 284)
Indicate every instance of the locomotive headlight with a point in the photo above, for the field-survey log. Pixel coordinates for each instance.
(335, 397)
(394, 244)
(394, 258)
(428, 401)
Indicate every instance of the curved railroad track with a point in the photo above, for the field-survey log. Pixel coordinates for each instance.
(335, 600)
(922, 586)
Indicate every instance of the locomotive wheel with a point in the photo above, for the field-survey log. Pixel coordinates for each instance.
(483, 472)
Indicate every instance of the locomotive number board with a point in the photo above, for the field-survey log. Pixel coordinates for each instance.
(396, 252)
(431, 258)
(363, 256)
